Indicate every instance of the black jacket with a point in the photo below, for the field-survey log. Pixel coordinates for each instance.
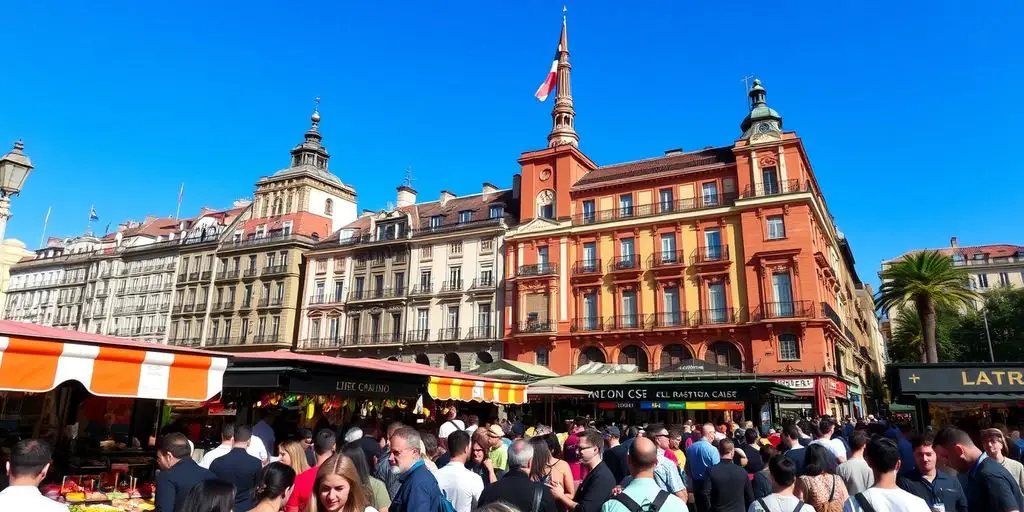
(943, 489)
(173, 485)
(242, 470)
(516, 489)
(595, 489)
(991, 488)
(721, 487)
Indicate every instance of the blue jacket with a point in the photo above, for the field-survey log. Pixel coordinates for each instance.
(173, 485)
(419, 491)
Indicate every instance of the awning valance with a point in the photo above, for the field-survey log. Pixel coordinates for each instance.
(448, 388)
(35, 365)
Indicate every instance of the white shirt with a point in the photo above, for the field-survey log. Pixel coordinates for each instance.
(834, 445)
(25, 497)
(258, 449)
(888, 500)
(779, 503)
(461, 486)
(215, 454)
(448, 427)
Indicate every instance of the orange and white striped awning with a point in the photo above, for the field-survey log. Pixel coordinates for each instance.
(467, 390)
(121, 370)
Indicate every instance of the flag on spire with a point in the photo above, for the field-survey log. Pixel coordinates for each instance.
(548, 85)
(92, 214)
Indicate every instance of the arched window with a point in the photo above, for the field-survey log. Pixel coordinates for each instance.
(423, 359)
(673, 355)
(634, 355)
(452, 361)
(329, 207)
(484, 358)
(392, 358)
(591, 355)
(724, 353)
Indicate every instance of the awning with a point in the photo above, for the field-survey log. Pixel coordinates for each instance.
(447, 388)
(38, 359)
(555, 390)
(971, 397)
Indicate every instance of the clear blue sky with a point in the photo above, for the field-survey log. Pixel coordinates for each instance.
(911, 115)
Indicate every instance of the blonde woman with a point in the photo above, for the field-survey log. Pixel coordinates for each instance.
(293, 455)
(337, 488)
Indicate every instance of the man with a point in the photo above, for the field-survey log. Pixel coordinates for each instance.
(239, 468)
(826, 427)
(451, 424)
(659, 434)
(264, 430)
(461, 486)
(797, 451)
(722, 485)
(353, 434)
(855, 472)
(383, 471)
(901, 434)
(472, 423)
(612, 436)
(516, 488)
(306, 436)
(990, 488)
(30, 461)
(178, 472)
(642, 490)
(675, 442)
(752, 449)
(227, 441)
(701, 456)
(615, 454)
(883, 456)
(783, 472)
(927, 482)
(993, 440)
(324, 445)
(418, 489)
(596, 488)
(666, 473)
(499, 452)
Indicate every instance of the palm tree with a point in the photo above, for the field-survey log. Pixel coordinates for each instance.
(927, 279)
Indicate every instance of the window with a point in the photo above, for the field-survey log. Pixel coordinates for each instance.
(626, 205)
(227, 329)
(435, 221)
(709, 192)
(542, 257)
(1004, 279)
(789, 348)
(590, 321)
(360, 284)
(338, 289)
(542, 356)
(782, 290)
(398, 282)
(314, 328)
(353, 323)
(426, 252)
(496, 212)
(321, 265)
(422, 319)
(378, 284)
(982, 280)
(628, 309)
(425, 280)
(486, 245)
(626, 248)
(465, 216)
(279, 289)
(252, 262)
(547, 211)
(665, 202)
(455, 247)
(333, 327)
(375, 326)
(487, 277)
(455, 276)
(453, 317)
(244, 332)
(670, 297)
(329, 207)
(215, 329)
(716, 303)
(287, 228)
(266, 292)
(713, 244)
(668, 248)
(776, 227)
(589, 212)
(770, 181)
(284, 259)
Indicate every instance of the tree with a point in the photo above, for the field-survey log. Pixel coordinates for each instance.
(926, 280)
(1004, 308)
(906, 344)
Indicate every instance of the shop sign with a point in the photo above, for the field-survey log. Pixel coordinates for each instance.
(322, 384)
(807, 383)
(839, 389)
(1008, 379)
(854, 389)
(663, 394)
(616, 405)
(365, 388)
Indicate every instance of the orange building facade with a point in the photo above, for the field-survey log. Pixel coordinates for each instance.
(726, 255)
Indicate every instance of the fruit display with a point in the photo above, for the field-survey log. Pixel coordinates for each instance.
(81, 496)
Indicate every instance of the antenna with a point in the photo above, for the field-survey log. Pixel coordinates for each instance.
(408, 179)
(746, 89)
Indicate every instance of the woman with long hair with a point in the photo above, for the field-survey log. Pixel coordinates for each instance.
(819, 486)
(479, 464)
(337, 488)
(376, 491)
(210, 496)
(273, 487)
(293, 455)
(547, 468)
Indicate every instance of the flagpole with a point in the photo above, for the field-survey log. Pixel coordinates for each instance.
(46, 221)
(181, 193)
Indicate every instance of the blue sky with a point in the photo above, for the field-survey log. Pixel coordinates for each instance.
(911, 113)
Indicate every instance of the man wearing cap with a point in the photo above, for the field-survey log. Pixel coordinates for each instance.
(498, 454)
(615, 452)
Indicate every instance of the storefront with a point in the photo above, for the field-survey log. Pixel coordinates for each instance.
(814, 396)
(971, 396)
(856, 400)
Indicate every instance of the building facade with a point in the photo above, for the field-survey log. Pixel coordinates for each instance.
(419, 282)
(50, 288)
(727, 255)
(11, 253)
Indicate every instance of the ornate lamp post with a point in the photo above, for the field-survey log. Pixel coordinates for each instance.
(14, 169)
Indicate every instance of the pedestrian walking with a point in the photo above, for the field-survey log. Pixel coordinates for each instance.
(239, 468)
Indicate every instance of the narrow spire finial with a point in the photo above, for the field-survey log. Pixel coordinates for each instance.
(316, 112)
(563, 130)
(564, 10)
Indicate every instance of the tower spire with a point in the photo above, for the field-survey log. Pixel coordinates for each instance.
(563, 117)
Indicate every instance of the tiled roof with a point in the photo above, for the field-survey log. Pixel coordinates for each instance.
(653, 167)
(968, 252)
(154, 228)
(303, 223)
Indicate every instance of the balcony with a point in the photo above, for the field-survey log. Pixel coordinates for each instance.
(378, 294)
(448, 334)
(188, 308)
(537, 270)
(481, 332)
(627, 263)
(227, 274)
(780, 310)
(250, 273)
(831, 314)
(483, 283)
(650, 210)
(328, 343)
(266, 339)
(587, 324)
(719, 316)
(671, 320)
(450, 287)
(201, 306)
(271, 239)
(630, 322)
(666, 259)
(447, 228)
(275, 269)
(322, 299)
(791, 186)
(206, 275)
(422, 289)
(182, 278)
(536, 327)
(418, 336)
(246, 305)
(194, 276)
(710, 254)
(587, 267)
(380, 338)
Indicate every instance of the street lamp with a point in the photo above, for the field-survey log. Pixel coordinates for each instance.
(14, 169)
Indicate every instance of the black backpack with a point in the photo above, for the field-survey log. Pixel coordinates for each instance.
(633, 506)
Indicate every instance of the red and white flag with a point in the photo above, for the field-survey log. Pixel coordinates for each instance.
(548, 85)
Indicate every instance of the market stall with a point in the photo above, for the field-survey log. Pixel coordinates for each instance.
(98, 400)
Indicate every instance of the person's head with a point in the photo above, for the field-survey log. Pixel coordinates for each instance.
(324, 444)
(659, 435)
(429, 445)
(210, 496)
(227, 432)
(726, 448)
(275, 482)
(306, 436)
(924, 453)
(858, 440)
(783, 471)
(494, 435)
(750, 435)
(458, 445)
(354, 434)
(293, 455)
(477, 452)
(337, 487)
(588, 448)
(30, 461)
(393, 427)
(817, 461)
(612, 434)
(707, 431)
(405, 449)
(994, 443)
(541, 456)
(642, 457)
(520, 456)
(172, 449)
(767, 452)
(883, 456)
(243, 434)
(675, 439)
(472, 419)
(358, 458)
(791, 435)
(956, 449)
(553, 445)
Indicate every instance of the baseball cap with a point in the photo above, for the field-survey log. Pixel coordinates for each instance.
(612, 431)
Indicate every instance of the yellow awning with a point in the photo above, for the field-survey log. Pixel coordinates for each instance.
(447, 388)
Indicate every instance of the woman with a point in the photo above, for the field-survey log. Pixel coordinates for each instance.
(210, 496)
(376, 491)
(995, 446)
(479, 464)
(548, 469)
(337, 488)
(293, 455)
(273, 487)
(819, 487)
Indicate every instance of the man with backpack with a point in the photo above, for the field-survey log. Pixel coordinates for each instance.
(883, 455)
(783, 471)
(643, 494)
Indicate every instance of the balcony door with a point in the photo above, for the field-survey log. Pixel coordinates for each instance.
(668, 248)
(671, 300)
(770, 180)
(709, 193)
(483, 320)
(542, 258)
(716, 303)
(629, 309)
(626, 252)
(713, 244)
(589, 257)
(590, 311)
(782, 290)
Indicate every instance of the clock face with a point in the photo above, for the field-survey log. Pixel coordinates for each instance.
(546, 197)
(764, 127)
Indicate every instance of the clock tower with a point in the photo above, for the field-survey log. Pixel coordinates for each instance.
(763, 122)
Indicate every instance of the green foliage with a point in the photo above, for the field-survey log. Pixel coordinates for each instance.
(907, 343)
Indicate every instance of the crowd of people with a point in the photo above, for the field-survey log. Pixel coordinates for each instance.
(462, 465)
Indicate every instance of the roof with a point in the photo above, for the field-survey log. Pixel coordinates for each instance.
(309, 170)
(592, 379)
(658, 166)
(303, 223)
(361, 363)
(12, 328)
(968, 252)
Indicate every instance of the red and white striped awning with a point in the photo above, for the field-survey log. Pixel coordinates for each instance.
(38, 359)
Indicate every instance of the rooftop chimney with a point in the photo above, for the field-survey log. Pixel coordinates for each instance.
(489, 190)
(406, 196)
(517, 182)
(445, 197)
(953, 243)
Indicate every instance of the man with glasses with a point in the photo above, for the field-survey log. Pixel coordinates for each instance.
(419, 490)
(596, 488)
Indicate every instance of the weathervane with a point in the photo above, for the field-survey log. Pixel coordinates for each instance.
(408, 179)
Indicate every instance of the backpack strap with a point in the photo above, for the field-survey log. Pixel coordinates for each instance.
(832, 494)
(764, 506)
(862, 500)
(660, 500)
(627, 502)
(800, 506)
(538, 493)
